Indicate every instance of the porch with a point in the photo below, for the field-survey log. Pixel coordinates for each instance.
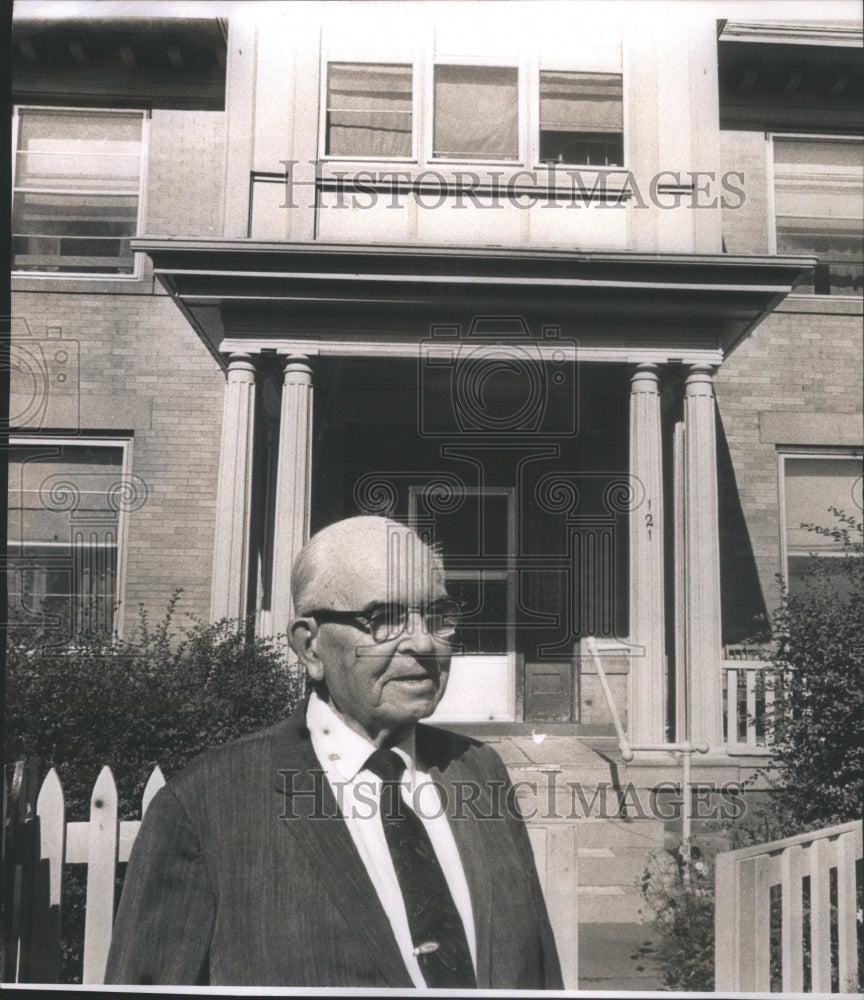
(569, 470)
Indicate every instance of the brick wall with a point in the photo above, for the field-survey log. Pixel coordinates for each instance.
(145, 373)
(185, 173)
(805, 359)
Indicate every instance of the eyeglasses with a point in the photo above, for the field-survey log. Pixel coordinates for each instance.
(384, 622)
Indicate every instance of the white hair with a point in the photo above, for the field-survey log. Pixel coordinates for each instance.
(332, 555)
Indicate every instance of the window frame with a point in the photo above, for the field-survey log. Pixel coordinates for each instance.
(770, 137)
(137, 258)
(804, 452)
(539, 164)
(331, 59)
(125, 444)
(492, 62)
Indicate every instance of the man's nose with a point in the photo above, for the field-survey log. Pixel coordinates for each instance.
(416, 635)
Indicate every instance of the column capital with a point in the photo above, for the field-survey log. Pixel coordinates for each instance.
(297, 369)
(645, 377)
(700, 380)
(240, 364)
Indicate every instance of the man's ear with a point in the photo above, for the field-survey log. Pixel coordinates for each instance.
(303, 636)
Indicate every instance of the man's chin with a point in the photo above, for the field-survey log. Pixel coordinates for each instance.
(411, 710)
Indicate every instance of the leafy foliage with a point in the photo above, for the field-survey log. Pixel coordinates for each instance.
(161, 697)
(681, 896)
(817, 720)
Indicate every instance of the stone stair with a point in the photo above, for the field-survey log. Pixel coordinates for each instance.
(567, 780)
(612, 856)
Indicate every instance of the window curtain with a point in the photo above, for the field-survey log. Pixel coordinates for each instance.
(819, 204)
(369, 110)
(476, 112)
(581, 102)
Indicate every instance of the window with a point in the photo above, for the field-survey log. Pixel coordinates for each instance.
(581, 118)
(65, 508)
(476, 113)
(811, 485)
(77, 191)
(819, 208)
(369, 110)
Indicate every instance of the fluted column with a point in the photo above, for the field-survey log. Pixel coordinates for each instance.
(229, 589)
(701, 560)
(647, 611)
(293, 484)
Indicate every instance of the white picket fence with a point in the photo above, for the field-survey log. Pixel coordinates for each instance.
(101, 843)
(762, 913)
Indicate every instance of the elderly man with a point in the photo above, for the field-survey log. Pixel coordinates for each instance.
(345, 846)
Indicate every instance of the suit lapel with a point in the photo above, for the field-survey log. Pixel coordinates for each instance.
(329, 847)
(450, 772)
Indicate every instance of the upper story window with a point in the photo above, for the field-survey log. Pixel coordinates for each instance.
(581, 118)
(472, 111)
(77, 191)
(369, 110)
(476, 113)
(819, 208)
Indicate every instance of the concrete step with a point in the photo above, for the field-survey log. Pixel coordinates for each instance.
(603, 866)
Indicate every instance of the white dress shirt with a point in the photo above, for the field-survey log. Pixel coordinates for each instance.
(342, 753)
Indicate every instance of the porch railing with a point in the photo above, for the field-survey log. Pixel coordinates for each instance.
(747, 699)
(788, 912)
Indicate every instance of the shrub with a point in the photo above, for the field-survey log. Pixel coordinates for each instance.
(162, 696)
(817, 719)
(681, 898)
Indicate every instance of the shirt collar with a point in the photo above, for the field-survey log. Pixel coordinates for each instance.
(342, 751)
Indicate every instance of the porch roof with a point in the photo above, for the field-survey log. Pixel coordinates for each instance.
(377, 298)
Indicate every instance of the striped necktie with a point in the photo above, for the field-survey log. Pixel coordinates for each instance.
(437, 932)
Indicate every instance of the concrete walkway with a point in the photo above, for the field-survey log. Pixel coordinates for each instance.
(617, 957)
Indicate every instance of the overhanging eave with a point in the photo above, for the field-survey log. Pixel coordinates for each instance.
(236, 289)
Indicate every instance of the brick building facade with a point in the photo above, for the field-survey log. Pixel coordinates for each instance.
(263, 322)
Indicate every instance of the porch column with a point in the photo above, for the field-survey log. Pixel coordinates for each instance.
(230, 582)
(293, 484)
(701, 560)
(646, 713)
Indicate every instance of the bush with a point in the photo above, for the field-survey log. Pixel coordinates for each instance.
(159, 697)
(681, 897)
(817, 719)
(162, 696)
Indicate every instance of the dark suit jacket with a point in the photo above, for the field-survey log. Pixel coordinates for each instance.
(243, 873)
